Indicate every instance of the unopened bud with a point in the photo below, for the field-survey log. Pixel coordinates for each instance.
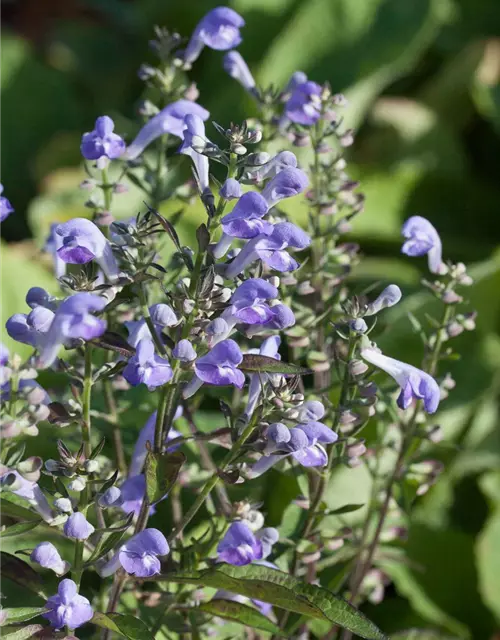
(91, 466)
(357, 367)
(78, 484)
(63, 505)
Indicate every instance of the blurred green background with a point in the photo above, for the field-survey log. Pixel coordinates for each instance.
(423, 79)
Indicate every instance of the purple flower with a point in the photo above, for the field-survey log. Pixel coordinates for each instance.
(47, 556)
(146, 367)
(238, 69)
(390, 296)
(239, 546)
(230, 190)
(268, 536)
(194, 138)
(304, 105)
(26, 489)
(133, 491)
(273, 166)
(146, 434)
(184, 351)
(169, 120)
(415, 384)
(139, 555)
(219, 29)
(311, 410)
(78, 527)
(162, 316)
(248, 302)
(52, 245)
(102, 141)
(285, 184)
(269, 348)
(38, 297)
(73, 319)
(422, 238)
(112, 497)
(5, 207)
(297, 78)
(218, 367)
(271, 249)
(83, 241)
(4, 354)
(67, 608)
(30, 328)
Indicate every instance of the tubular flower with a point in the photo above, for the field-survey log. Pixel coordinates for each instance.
(146, 367)
(83, 241)
(26, 489)
(423, 239)
(273, 166)
(78, 527)
(194, 137)
(162, 316)
(231, 189)
(285, 184)
(47, 556)
(52, 245)
(5, 207)
(303, 106)
(239, 546)
(390, 296)
(139, 555)
(102, 141)
(415, 384)
(218, 367)
(238, 69)
(67, 608)
(30, 328)
(219, 29)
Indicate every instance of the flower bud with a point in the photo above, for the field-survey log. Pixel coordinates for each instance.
(91, 466)
(78, 484)
(357, 367)
(63, 505)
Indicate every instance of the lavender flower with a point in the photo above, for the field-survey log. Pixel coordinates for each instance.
(194, 138)
(133, 490)
(52, 245)
(38, 297)
(184, 351)
(297, 78)
(112, 497)
(162, 316)
(390, 296)
(414, 383)
(102, 141)
(273, 166)
(304, 105)
(78, 527)
(230, 190)
(248, 302)
(238, 69)
(219, 29)
(218, 367)
(26, 489)
(271, 249)
(83, 242)
(67, 608)
(5, 207)
(139, 555)
(169, 120)
(239, 546)
(47, 556)
(422, 239)
(285, 184)
(268, 536)
(146, 367)
(30, 328)
(73, 319)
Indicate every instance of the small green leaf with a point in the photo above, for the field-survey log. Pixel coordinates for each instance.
(18, 528)
(21, 633)
(242, 613)
(14, 510)
(109, 540)
(255, 362)
(18, 571)
(285, 591)
(20, 614)
(346, 508)
(161, 472)
(124, 624)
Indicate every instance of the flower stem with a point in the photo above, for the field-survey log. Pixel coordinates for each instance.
(147, 317)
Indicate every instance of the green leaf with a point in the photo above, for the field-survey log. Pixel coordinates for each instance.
(161, 472)
(18, 528)
(255, 362)
(347, 508)
(20, 614)
(488, 563)
(109, 540)
(21, 633)
(284, 591)
(124, 624)
(14, 510)
(242, 613)
(18, 571)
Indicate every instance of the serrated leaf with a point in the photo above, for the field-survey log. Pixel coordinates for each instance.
(18, 528)
(20, 614)
(284, 591)
(21, 633)
(161, 471)
(264, 364)
(242, 613)
(20, 572)
(124, 624)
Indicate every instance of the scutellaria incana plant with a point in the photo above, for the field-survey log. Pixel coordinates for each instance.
(258, 316)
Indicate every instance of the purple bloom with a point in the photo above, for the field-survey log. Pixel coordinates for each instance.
(26, 489)
(304, 105)
(78, 527)
(184, 351)
(239, 546)
(67, 608)
(5, 207)
(194, 139)
(30, 328)
(162, 316)
(38, 297)
(52, 245)
(139, 555)
(218, 367)
(219, 29)
(285, 184)
(248, 302)
(47, 556)
(169, 120)
(112, 497)
(311, 410)
(271, 249)
(273, 166)
(238, 69)
(83, 241)
(102, 141)
(390, 296)
(415, 384)
(297, 78)
(73, 319)
(133, 491)
(268, 536)
(146, 367)
(422, 238)
(230, 190)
